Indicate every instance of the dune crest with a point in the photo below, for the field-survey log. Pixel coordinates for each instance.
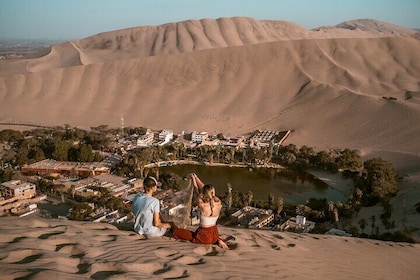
(376, 26)
(194, 35)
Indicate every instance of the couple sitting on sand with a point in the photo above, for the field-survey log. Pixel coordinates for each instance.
(146, 209)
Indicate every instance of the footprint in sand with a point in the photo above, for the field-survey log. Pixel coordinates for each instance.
(275, 247)
(17, 239)
(58, 247)
(29, 259)
(22, 256)
(105, 274)
(188, 260)
(164, 252)
(83, 267)
(171, 272)
(206, 251)
(71, 249)
(106, 238)
(176, 256)
(278, 236)
(48, 235)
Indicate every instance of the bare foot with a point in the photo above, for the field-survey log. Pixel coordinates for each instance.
(222, 244)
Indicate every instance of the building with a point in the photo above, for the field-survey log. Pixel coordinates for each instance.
(213, 142)
(165, 136)
(116, 185)
(185, 142)
(298, 224)
(17, 189)
(49, 166)
(199, 137)
(145, 140)
(266, 137)
(236, 142)
(253, 217)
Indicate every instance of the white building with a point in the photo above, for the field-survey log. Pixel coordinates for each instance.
(298, 224)
(214, 142)
(145, 140)
(254, 217)
(199, 137)
(236, 142)
(17, 188)
(165, 136)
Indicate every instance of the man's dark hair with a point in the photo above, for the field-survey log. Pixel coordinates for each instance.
(149, 182)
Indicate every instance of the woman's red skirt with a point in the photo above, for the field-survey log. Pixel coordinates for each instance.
(203, 235)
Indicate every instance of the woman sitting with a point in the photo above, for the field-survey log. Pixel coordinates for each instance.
(210, 206)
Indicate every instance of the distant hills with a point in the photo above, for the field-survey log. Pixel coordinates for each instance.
(196, 35)
(23, 48)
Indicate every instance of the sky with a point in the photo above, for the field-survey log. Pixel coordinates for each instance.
(77, 19)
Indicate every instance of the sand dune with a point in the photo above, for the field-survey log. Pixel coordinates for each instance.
(341, 82)
(193, 35)
(38, 249)
(353, 85)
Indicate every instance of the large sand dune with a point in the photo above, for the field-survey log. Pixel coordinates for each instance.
(233, 87)
(40, 249)
(355, 84)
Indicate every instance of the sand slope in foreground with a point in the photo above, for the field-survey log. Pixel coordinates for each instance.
(38, 249)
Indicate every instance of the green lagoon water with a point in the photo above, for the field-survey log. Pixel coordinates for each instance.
(292, 187)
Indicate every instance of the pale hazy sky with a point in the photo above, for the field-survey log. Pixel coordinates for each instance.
(74, 19)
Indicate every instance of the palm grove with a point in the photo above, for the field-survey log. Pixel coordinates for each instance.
(374, 180)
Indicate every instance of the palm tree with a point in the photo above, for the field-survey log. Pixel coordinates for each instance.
(73, 190)
(249, 197)
(217, 153)
(280, 205)
(270, 200)
(362, 224)
(373, 218)
(229, 196)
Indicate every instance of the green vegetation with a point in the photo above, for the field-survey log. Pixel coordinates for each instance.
(81, 212)
(380, 177)
(64, 144)
(374, 180)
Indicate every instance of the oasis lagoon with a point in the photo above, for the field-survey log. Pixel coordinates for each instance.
(293, 187)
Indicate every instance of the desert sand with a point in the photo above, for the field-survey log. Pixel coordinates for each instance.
(231, 75)
(59, 249)
(355, 85)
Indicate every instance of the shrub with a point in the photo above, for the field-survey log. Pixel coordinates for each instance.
(398, 236)
(418, 207)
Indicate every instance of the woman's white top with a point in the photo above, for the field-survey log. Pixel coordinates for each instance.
(208, 221)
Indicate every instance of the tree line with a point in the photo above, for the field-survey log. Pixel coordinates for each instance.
(374, 179)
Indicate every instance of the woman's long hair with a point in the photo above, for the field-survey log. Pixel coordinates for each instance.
(208, 194)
